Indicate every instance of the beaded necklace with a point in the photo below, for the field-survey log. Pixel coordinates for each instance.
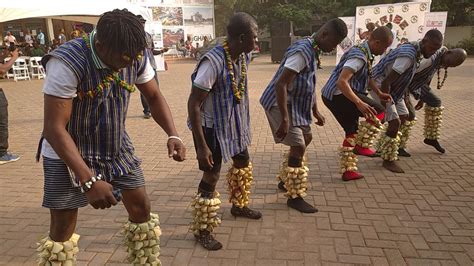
(239, 90)
(108, 80)
(318, 53)
(440, 84)
(370, 59)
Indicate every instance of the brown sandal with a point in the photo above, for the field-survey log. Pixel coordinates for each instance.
(207, 240)
(245, 212)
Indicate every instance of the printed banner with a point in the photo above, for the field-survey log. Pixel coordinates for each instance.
(407, 19)
(348, 42)
(435, 20)
(197, 34)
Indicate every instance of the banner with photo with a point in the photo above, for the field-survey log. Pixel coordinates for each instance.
(435, 20)
(348, 42)
(196, 15)
(197, 34)
(407, 19)
(172, 35)
(169, 16)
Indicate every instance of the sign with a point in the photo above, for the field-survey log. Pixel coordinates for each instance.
(348, 42)
(435, 20)
(407, 19)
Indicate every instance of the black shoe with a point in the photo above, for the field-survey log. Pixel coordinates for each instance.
(435, 144)
(208, 241)
(402, 152)
(281, 186)
(245, 212)
(300, 205)
(147, 115)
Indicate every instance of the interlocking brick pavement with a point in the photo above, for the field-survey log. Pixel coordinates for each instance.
(424, 216)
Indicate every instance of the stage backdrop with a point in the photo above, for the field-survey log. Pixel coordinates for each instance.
(407, 19)
(348, 42)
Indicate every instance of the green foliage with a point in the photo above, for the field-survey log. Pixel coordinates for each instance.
(468, 45)
(460, 12)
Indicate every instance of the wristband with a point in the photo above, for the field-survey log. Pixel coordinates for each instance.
(88, 184)
(175, 137)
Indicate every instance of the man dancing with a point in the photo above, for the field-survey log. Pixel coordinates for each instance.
(289, 100)
(218, 109)
(345, 95)
(393, 74)
(88, 157)
(420, 89)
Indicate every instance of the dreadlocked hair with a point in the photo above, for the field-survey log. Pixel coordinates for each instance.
(121, 32)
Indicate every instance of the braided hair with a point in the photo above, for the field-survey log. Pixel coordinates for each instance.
(121, 32)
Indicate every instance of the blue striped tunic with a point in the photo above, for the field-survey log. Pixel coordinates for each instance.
(301, 97)
(400, 85)
(421, 80)
(358, 81)
(97, 125)
(231, 119)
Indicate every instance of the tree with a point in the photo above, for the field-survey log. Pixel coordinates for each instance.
(460, 12)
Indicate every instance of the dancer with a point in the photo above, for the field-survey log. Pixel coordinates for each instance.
(218, 108)
(392, 75)
(289, 100)
(88, 157)
(420, 89)
(345, 95)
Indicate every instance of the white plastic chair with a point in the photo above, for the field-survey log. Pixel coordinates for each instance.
(20, 70)
(37, 70)
(9, 73)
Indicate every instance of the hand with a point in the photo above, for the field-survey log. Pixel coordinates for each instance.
(204, 157)
(15, 54)
(283, 129)
(100, 195)
(419, 105)
(320, 120)
(176, 150)
(366, 110)
(385, 97)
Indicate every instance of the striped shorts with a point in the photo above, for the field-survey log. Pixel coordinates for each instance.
(59, 192)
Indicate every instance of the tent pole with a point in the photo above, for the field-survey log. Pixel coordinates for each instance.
(49, 29)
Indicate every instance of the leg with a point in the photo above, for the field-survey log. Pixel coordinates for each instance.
(3, 123)
(239, 179)
(407, 123)
(433, 118)
(347, 115)
(369, 129)
(206, 203)
(293, 175)
(391, 140)
(146, 107)
(142, 231)
(63, 200)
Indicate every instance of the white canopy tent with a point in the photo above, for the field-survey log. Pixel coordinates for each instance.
(86, 11)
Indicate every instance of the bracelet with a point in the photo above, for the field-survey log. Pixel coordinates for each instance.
(175, 137)
(88, 184)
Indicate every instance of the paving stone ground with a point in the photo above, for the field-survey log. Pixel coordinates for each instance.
(422, 217)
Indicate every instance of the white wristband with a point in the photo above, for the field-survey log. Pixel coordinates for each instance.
(175, 137)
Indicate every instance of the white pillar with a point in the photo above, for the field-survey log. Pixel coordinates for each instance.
(50, 29)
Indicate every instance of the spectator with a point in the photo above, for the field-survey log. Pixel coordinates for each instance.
(366, 34)
(180, 46)
(37, 50)
(9, 39)
(61, 37)
(28, 38)
(5, 156)
(206, 41)
(40, 38)
(189, 46)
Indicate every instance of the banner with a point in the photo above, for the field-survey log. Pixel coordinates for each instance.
(348, 42)
(407, 19)
(435, 20)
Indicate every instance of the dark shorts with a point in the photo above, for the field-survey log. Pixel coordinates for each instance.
(60, 193)
(213, 144)
(346, 112)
